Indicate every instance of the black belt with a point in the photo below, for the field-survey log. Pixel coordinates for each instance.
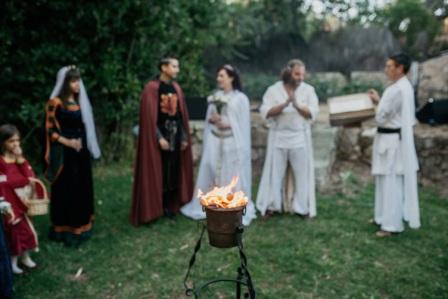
(381, 130)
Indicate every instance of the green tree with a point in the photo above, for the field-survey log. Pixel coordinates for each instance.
(116, 44)
(413, 24)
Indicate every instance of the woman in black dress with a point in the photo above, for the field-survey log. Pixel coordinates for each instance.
(70, 143)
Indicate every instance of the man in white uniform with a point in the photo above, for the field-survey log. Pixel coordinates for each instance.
(289, 107)
(394, 159)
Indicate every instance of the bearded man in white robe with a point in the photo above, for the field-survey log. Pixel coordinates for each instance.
(289, 106)
(394, 158)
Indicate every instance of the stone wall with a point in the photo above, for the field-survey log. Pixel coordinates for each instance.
(354, 153)
(323, 140)
(259, 141)
(344, 152)
(433, 79)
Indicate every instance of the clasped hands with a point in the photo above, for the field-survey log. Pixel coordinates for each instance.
(302, 109)
(292, 99)
(165, 145)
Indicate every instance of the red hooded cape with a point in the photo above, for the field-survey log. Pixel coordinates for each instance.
(147, 190)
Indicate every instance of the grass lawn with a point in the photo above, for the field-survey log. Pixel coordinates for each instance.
(334, 256)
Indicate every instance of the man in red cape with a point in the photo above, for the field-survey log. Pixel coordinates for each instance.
(163, 180)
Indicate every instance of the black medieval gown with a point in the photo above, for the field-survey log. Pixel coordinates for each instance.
(72, 197)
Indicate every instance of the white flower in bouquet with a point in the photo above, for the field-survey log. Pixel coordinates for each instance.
(219, 100)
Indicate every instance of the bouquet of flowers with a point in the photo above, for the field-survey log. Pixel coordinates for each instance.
(218, 100)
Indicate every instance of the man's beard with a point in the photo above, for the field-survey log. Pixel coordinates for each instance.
(294, 83)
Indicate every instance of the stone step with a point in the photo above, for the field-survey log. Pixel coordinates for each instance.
(324, 147)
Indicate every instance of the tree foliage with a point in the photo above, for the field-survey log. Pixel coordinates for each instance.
(413, 23)
(116, 44)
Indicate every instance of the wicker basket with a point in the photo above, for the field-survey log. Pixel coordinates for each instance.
(38, 204)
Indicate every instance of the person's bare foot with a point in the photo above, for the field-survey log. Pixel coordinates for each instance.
(304, 216)
(383, 233)
(268, 215)
(372, 221)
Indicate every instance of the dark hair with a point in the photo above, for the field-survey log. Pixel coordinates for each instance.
(285, 75)
(7, 131)
(402, 59)
(166, 60)
(71, 75)
(233, 73)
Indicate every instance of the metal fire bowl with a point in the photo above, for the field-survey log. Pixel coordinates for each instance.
(222, 225)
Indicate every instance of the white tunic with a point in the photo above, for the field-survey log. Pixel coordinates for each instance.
(288, 130)
(387, 158)
(223, 158)
(290, 127)
(394, 154)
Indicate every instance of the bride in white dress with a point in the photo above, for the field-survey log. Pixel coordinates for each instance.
(226, 150)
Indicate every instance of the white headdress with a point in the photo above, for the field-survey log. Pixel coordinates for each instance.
(86, 111)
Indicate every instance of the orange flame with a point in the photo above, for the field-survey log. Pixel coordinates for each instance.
(222, 197)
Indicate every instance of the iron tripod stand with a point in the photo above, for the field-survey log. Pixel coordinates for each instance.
(243, 276)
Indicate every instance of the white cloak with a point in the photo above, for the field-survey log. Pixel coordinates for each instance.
(275, 95)
(223, 158)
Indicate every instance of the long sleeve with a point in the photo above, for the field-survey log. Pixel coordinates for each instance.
(17, 182)
(7, 189)
(13, 181)
(158, 133)
(389, 106)
(51, 124)
(54, 151)
(26, 169)
(184, 134)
